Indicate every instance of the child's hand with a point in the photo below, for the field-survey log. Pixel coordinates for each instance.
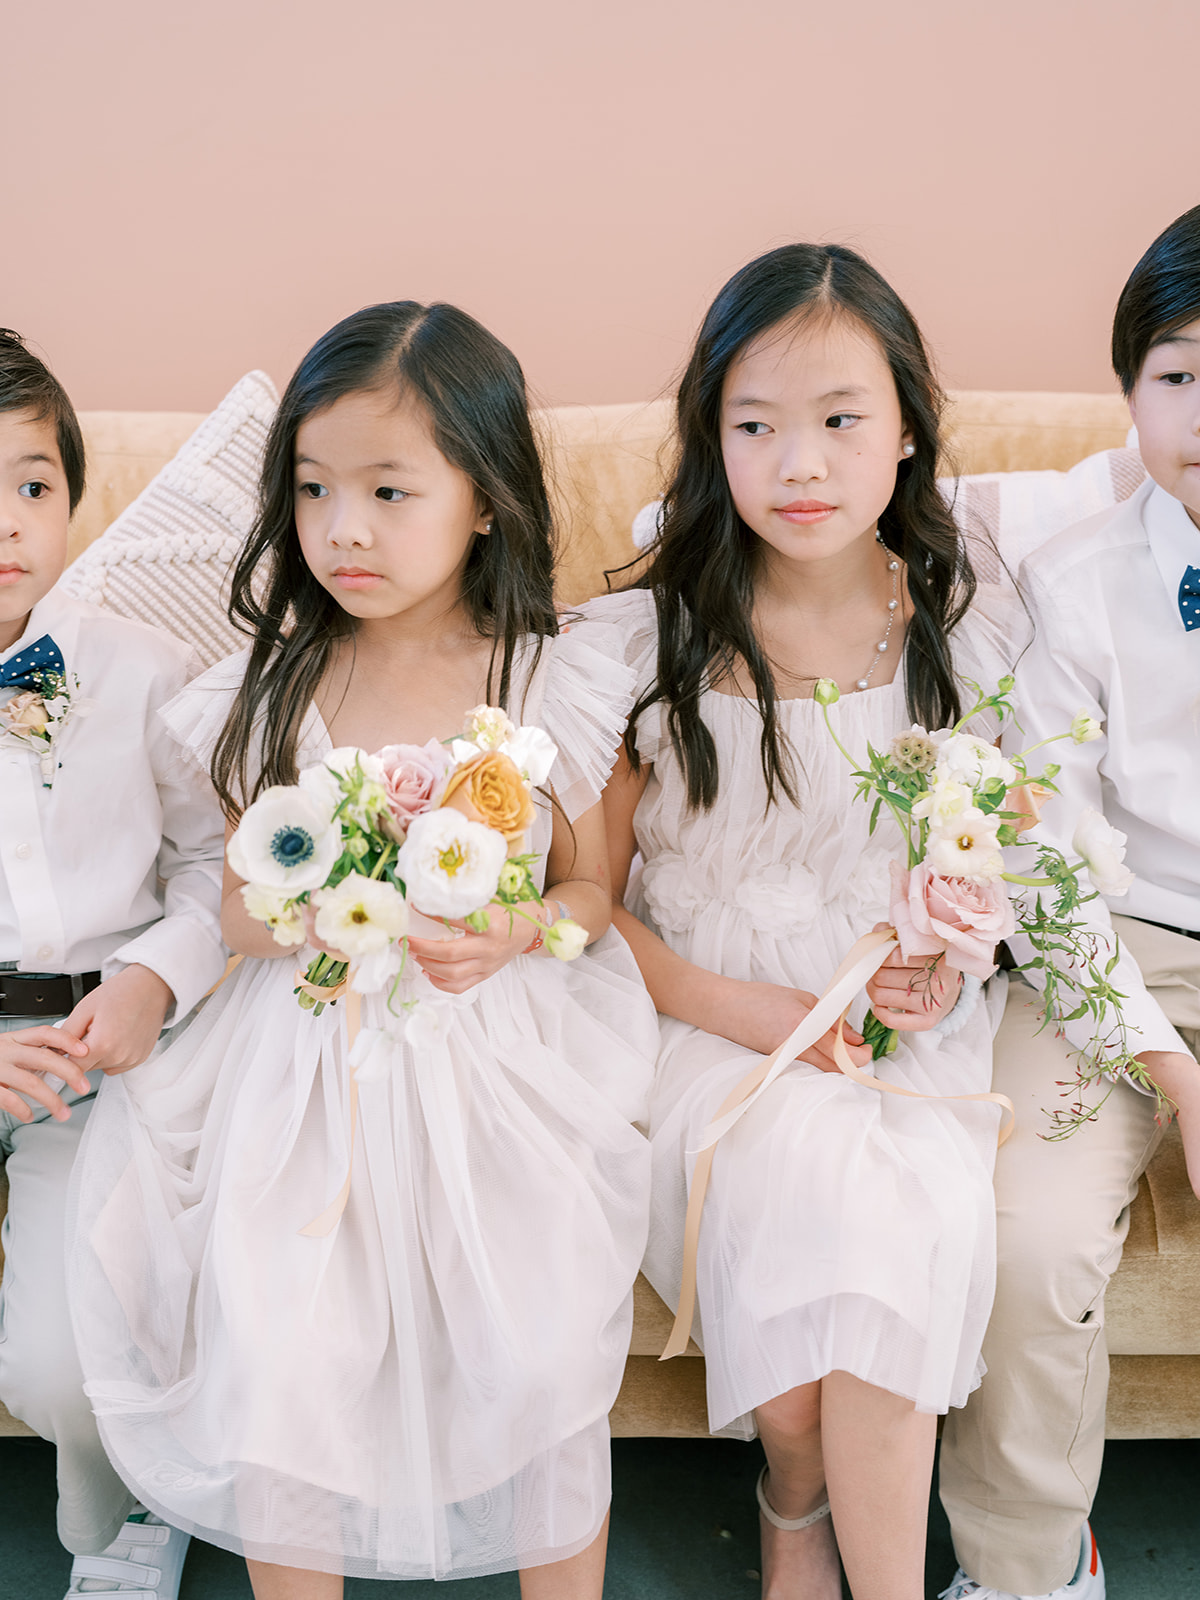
(456, 965)
(913, 996)
(122, 1019)
(769, 1012)
(25, 1055)
(1178, 1076)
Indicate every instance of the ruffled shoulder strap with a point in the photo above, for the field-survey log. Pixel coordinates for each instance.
(624, 628)
(195, 717)
(581, 695)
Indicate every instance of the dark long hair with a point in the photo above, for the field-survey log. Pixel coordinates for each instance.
(473, 390)
(703, 564)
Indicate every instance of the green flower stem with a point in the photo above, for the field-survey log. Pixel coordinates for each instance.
(834, 737)
(384, 858)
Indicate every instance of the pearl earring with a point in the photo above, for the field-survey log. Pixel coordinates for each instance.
(910, 449)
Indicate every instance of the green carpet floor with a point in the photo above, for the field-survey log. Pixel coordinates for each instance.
(684, 1528)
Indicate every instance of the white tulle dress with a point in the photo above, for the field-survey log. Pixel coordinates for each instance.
(844, 1229)
(424, 1392)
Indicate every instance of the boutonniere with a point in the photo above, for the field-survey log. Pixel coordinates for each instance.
(37, 717)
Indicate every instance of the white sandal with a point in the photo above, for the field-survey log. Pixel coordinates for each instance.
(786, 1524)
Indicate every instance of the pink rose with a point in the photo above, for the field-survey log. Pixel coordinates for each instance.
(412, 774)
(965, 919)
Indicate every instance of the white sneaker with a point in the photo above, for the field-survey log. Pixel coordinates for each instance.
(1087, 1584)
(144, 1562)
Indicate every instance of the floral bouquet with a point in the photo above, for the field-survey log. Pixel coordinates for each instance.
(959, 803)
(36, 717)
(368, 840)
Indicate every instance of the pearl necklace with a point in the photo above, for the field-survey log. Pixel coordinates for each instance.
(893, 604)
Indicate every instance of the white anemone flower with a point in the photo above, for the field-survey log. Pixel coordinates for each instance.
(364, 773)
(967, 847)
(280, 913)
(964, 759)
(450, 866)
(285, 841)
(361, 916)
(1102, 848)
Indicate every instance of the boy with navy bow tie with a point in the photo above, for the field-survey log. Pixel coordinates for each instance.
(1116, 608)
(110, 875)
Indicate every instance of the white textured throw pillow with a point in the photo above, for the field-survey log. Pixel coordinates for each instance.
(166, 557)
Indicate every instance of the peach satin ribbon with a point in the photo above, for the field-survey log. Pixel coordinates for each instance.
(862, 962)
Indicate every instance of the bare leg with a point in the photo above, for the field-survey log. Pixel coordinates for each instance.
(579, 1577)
(878, 1452)
(803, 1563)
(292, 1583)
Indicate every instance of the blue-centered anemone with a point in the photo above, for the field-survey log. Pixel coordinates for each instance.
(292, 846)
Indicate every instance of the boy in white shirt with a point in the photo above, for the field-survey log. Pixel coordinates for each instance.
(110, 874)
(1116, 608)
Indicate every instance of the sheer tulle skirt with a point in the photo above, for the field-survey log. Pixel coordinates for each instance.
(423, 1392)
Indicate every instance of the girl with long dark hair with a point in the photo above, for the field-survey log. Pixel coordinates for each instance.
(422, 1390)
(846, 1247)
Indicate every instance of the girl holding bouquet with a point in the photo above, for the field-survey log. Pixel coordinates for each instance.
(413, 1382)
(846, 1251)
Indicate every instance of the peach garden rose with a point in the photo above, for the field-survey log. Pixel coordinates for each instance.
(491, 790)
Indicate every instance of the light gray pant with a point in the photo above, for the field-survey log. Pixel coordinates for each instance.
(40, 1377)
(1021, 1461)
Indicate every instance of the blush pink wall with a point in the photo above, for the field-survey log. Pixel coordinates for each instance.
(192, 190)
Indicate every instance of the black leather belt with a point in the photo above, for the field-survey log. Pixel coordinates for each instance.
(43, 994)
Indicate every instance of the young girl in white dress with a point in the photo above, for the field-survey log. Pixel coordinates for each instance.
(846, 1246)
(424, 1392)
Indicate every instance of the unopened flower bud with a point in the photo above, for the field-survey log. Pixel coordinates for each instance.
(826, 692)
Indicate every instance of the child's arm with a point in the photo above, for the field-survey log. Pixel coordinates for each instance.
(756, 1015)
(577, 882)
(162, 972)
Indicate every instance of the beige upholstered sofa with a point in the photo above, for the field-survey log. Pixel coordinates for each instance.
(606, 463)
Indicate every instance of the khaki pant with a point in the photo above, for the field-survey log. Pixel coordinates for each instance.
(40, 1377)
(1021, 1461)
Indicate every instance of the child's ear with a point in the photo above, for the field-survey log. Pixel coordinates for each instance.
(908, 448)
(483, 523)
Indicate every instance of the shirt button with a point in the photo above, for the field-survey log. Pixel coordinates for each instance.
(45, 951)
(23, 852)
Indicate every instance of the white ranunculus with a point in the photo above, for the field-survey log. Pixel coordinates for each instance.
(1084, 728)
(450, 866)
(1102, 848)
(285, 840)
(348, 765)
(966, 847)
(274, 907)
(361, 916)
(532, 751)
(566, 939)
(964, 759)
(942, 803)
(488, 727)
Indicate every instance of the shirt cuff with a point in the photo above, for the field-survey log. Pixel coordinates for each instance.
(186, 960)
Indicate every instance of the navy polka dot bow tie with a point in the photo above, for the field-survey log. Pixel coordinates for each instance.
(26, 668)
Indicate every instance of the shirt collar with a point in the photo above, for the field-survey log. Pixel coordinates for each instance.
(1174, 540)
(58, 615)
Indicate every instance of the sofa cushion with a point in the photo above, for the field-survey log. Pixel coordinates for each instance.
(166, 557)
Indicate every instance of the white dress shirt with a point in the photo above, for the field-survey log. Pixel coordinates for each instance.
(1109, 640)
(119, 861)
